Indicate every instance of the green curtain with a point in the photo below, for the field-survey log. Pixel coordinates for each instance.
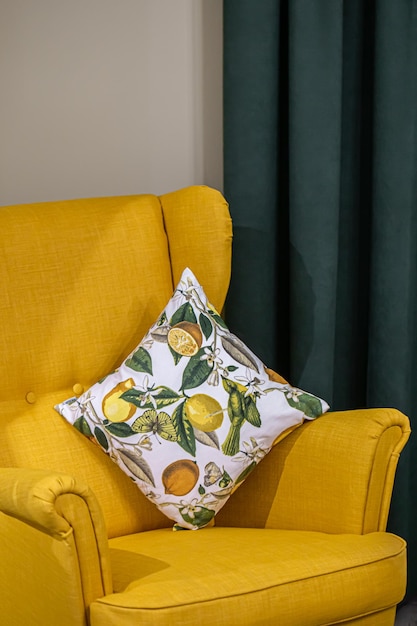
(320, 136)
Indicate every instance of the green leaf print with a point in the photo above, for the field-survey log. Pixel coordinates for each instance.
(198, 517)
(119, 429)
(82, 425)
(196, 372)
(140, 361)
(309, 405)
(101, 438)
(184, 430)
(248, 470)
(162, 320)
(219, 320)
(184, 314)
(205, 325)
(163, 396)
(177, 357)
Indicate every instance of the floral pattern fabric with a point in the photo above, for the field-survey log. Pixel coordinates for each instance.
(191, 411)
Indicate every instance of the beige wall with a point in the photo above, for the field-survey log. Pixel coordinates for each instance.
(103, 97)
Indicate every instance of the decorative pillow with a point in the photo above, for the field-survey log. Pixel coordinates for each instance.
(191, 411)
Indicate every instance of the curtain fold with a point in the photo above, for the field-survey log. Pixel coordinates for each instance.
(251, 93)
(320, 136)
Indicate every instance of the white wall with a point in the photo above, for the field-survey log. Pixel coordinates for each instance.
(107, 97)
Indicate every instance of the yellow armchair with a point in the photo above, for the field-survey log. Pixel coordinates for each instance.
(81, 282)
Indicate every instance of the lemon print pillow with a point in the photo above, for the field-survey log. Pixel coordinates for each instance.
(191, 411)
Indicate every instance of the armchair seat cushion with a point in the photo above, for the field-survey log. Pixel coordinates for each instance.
(263, 576)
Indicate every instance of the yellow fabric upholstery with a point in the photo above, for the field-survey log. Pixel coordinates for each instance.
(348, 461)
(162, 580)
(301, 542)
(102, 276)
(40, 581)
(194, 218)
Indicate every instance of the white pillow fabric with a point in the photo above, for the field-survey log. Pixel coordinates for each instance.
(191, 411)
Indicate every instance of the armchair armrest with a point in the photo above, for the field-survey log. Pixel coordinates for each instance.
(334, 475)
(32, 495)
(67, 513)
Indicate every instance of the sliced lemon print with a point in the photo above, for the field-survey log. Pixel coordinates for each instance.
(115, 409)
(204, 412)
(185, 338)
(180, 477)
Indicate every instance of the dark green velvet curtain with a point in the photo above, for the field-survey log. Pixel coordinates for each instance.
(320, 123)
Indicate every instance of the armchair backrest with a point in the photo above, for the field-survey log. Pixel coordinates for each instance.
(81, 281)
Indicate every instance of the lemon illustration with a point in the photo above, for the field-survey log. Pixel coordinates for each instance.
(115, 409)
(180, 477)
(185, 338)
(203, 412)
